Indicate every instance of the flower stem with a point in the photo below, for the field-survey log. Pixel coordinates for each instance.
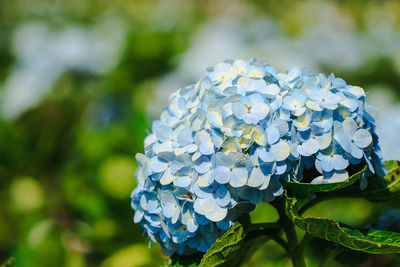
(295, 250)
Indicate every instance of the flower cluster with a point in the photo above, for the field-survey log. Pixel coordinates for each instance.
(223, 145)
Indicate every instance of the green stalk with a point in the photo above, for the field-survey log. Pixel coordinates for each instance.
(295, 250)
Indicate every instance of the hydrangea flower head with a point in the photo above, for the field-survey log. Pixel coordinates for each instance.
(223, 144)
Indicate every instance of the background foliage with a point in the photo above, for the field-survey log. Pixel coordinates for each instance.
(80, 82)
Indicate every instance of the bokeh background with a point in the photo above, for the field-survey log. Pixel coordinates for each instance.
(81, 81)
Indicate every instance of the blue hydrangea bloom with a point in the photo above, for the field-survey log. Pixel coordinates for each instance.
(224, 144)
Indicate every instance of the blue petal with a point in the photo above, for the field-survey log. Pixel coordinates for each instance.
(273, 134)
(362, 138)
(239, 177)
(256, 178)
(221, 174)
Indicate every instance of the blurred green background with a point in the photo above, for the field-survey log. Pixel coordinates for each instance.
(81, 81)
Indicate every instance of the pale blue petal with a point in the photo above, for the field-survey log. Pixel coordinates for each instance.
(356, 151)
(222, 196)
(239, 177)
(158, 166)
(183, 181)
(282, 126)
(310, 147)
(264, 155)
(185, 137)
(272, 134)
(163, 133)
(340, 162)
(218, 215)
(259, 110)
(281, 150)
(256, 178)
(349, 127)
(327, 164)
(239, 110)
(344, 141)
(167, 177)
(362, 138)
(221, 174)
(324, 141)
(205, 179)
(238, 159)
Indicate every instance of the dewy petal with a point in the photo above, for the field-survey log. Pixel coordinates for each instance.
(362, 138)
(239, 177)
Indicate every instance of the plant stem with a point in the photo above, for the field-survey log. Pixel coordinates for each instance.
(294, 250)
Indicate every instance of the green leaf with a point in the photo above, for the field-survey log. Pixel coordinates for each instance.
(368, 240)
(382, 189)
(10, 262)
(226, 247)
(183, 261)
(303, 190)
